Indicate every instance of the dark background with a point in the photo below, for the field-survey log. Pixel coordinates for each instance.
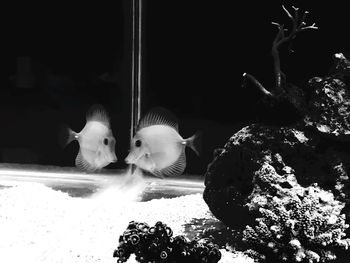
(60, 59)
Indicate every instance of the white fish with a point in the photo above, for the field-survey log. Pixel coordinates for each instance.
(96, 141)
(157, 146)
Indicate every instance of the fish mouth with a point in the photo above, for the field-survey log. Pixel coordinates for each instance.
(127, 160)
(130, 159)
(111, 158)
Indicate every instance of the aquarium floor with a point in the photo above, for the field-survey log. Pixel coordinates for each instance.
(78, 218)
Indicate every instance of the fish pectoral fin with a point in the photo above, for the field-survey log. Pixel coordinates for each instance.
(82, 164)
(158, 116)
(98, 113)
(176, 168)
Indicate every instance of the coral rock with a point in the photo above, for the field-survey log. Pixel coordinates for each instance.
(318, 227)
(264, 165)
(329, 108)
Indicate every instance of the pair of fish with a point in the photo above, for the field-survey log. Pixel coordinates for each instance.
(157, 146)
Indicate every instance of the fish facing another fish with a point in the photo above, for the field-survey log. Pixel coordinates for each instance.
(96, 141)
(157, 146)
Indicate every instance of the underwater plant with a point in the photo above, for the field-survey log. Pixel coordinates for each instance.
(284, 98)
(306, 226)
(157, 244)
(283, 36)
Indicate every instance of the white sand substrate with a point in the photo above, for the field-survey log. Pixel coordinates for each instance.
(39, 224)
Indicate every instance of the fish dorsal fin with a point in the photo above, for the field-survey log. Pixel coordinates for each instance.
(158, 116)
(98, 113)
(82, 164)
(176, 168)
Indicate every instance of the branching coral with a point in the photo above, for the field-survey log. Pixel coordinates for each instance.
(307, 227)
(156, 244)
(283, 36)
(284, 97)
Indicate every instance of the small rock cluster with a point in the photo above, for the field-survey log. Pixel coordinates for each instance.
(157, 244)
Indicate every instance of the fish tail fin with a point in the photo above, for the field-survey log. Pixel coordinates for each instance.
(66, 135)
(195, 142)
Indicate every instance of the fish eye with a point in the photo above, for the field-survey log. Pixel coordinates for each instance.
(105, 141)
(138, 143)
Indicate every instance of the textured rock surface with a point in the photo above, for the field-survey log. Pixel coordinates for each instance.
(261, 160)
(329, 107)
(304, 224)
(328, 110)
(230, 177)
